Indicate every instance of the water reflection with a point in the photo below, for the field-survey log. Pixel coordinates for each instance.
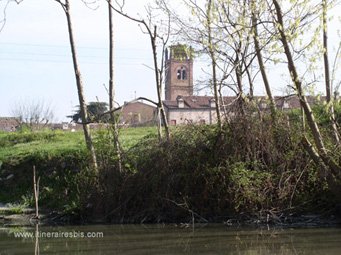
(36, 247)
(154, 239)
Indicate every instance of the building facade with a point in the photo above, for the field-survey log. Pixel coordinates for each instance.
(137, 113)
(9, 124)
(178, 72)
(182, 107)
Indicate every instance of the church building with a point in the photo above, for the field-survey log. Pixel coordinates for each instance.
(180, 105)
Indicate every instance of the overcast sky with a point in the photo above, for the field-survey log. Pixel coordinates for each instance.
(35, 58)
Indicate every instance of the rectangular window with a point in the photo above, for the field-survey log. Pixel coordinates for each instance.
(286, 105)
(173, 122)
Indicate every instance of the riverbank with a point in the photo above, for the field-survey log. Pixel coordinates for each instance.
(26, 218)
(251, 170)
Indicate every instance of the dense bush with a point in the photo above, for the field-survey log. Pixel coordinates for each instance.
(253, 166)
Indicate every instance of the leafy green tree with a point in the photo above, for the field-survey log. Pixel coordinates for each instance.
(317, 149)
(96, 112)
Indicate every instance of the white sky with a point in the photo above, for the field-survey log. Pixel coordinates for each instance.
(36, 64)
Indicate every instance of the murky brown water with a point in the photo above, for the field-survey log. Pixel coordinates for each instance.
(155, 239)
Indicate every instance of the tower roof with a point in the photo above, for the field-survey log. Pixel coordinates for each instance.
(180, 52)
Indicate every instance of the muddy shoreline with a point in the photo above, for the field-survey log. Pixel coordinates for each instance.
(52, 218)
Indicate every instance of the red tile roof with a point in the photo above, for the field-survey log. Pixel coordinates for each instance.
(199, 102)
(8, 123)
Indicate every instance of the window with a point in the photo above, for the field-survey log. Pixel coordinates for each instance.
(134, 117)
(181, 102)
(173, 122)
(181, 74)
(184, 75)
(178, 74)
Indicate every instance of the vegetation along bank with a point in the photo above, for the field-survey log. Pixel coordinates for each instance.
(251, 168)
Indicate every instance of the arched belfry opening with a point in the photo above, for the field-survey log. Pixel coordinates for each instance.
(181, 74)
(178, 72)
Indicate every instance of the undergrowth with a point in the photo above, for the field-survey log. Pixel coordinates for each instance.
(251, 167)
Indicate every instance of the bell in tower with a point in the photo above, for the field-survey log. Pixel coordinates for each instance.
(178, 72)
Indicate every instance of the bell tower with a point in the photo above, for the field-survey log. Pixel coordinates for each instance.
(178, 72)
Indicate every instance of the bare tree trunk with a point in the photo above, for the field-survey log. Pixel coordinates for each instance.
(325, 53)
(112, 89)
(226, 116)
(36, 191)
(238, 72)
(214, 64)
(153, 36)
(159, 124)
(251, 86)
(82, 104)
(327, 72)
(260, 61)
(36, 246)
(336, 169)
(158, 80)
(239, 78)
(111, 59)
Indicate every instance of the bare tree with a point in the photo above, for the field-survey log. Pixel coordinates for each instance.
(36, 114)
(112, 88)
(5, 4)
(82, 103)
(155, 37)
(212, 54)
(200, 31)
(111, 58)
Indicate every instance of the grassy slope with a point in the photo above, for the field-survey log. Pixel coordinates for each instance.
(20, 145)
(55, 153)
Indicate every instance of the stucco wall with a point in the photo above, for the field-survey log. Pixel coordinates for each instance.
(185, 116)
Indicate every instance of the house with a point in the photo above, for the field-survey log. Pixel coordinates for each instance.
(65, 126)
(190, 109)
(137, 113)
(9, 124)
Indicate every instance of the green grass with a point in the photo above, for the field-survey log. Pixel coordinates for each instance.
(57, 154)
(131, 136)
(18, 145)
(10, 211)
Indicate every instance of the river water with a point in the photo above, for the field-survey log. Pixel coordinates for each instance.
(159, 239)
